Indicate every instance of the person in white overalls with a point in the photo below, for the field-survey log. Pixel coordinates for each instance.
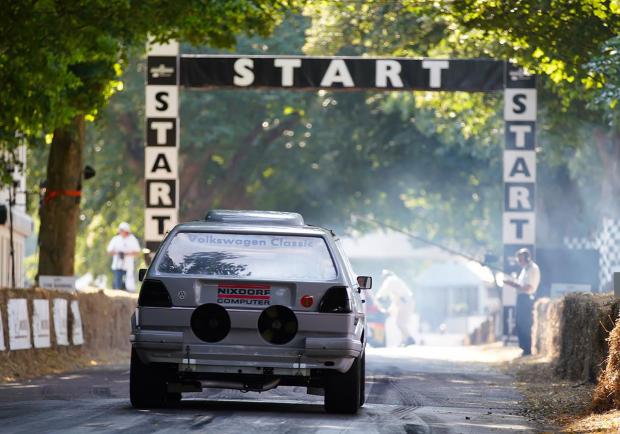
(401, 306)
(123, 248)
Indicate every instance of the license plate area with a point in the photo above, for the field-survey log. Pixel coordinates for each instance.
(246, 295)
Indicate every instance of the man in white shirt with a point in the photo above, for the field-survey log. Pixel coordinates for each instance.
(526, 284)
(123, 248)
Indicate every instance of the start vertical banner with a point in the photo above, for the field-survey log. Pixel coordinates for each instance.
(162, 142)
(168, 71)
(519, 218)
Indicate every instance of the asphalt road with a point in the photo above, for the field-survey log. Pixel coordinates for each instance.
(409, 391)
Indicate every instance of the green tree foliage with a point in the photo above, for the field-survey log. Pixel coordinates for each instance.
(577, 123)
(115, 148)
(461, 132)
(59, 59)
(573, 45)
(430, 162)
(61, 62)
(555, 37)
(329, 155)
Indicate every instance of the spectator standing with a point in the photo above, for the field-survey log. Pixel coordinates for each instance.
(526, 285)
(123, 248)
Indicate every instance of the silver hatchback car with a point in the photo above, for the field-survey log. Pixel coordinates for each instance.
(249, 300)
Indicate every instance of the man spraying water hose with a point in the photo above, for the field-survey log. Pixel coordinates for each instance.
(395, 298)
(526, 285)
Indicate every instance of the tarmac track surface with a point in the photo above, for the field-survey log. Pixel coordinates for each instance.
(405, 394)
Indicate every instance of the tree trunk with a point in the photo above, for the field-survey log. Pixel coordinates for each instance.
(60, 208)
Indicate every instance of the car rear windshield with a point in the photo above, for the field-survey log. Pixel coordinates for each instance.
(273, 257)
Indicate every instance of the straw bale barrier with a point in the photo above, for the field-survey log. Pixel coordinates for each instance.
(572, 332)
(546, 328)
(483, 334)
(606, 395)
(105, 316)
(585, 323)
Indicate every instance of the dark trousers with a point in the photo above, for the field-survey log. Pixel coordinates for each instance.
(525, 303)
(118, 281)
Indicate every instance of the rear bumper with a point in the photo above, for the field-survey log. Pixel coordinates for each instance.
(163, 335)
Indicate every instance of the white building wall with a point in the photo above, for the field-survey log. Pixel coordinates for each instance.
(22, 228)
(5, 258)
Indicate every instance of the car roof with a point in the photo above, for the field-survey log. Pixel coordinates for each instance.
(267, 222)
(255, 217)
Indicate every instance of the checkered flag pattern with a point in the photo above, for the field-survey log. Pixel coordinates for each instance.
(607, 242)
(580, 243)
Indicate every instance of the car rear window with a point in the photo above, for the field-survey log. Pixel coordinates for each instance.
(272, 257)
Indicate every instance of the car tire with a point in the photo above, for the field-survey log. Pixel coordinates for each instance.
(342, 391)
(173, 398)
(147, 384)
(363, 380)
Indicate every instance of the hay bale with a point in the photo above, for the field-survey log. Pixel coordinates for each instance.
(585, 322)
(606, 395)
(106, 319)
(541, 326)
(546, 328)
(105, 322)
(483, 334)
(18, 364)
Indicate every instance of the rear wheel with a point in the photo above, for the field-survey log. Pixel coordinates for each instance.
(147, 384)
(173, 398)
(342, 391)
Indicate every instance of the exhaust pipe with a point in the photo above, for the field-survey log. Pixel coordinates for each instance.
(238, 385)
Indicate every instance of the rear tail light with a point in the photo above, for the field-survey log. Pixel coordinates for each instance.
(153, 293)
(336, 300)
(307, 301)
